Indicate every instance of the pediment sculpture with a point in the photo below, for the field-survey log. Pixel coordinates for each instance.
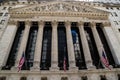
(57, 7)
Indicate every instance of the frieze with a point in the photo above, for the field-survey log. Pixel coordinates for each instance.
(57, 7)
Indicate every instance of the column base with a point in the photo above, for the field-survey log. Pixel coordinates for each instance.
(14, 68)
(34, 68)
(90, 66)
(110, 67)
(54, 68)
(73, 68)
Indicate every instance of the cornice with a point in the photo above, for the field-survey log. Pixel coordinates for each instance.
(60, 14)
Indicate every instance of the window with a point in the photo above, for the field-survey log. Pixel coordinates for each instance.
(6, 14)
(115, 14)
(4, 8)
(46, 47)
(102, 77)
(84, 78)
(43, 78)
(119, 30)
(116, 23)
(15, 46)
(23, 78)
(3, 78)
(118, 76)
(111, 8)
(2, 21)
(107, 8)
(78, 49)
(1, 14)
(118, 8)
(62, 46)
(31, 46)
(64, 78)
(111, 14)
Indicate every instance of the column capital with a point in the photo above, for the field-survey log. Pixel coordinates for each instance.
(80, 23)
(28, 23)
(92, 24)
(106, 24)
(68, 24)
(41, 23)
(13, 22)
(54, 23)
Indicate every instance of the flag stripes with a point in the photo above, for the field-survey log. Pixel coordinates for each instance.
(21, 62)
(105, 60)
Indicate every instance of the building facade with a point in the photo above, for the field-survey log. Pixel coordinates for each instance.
(61, 40)
(108, 1)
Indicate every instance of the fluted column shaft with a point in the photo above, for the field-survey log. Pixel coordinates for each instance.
(97, 39)
(38, 48)
(86, 50)
(23, 43)
(54, 59)
(70, 47)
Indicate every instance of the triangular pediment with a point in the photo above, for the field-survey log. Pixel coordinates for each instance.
(57, 7)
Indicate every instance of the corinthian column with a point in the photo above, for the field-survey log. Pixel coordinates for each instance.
(23, 44)
(86, 50)
(38, 48)
(70, 47)
(54, 59)
(97, 39)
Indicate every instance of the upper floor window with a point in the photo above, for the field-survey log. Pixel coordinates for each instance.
(118, 8)
(116, 23)
(111, 14)
(6, 14)
(1, 14)
(4, 8)
(115, 14)
(107, 8)
(2, 21)
(111, 8)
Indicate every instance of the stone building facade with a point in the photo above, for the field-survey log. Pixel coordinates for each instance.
(60, 40)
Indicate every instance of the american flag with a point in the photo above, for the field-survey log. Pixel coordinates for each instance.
(21, 62)
(105, 60)
(64, 64)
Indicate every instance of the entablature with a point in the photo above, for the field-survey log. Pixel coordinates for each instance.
(62, 9)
